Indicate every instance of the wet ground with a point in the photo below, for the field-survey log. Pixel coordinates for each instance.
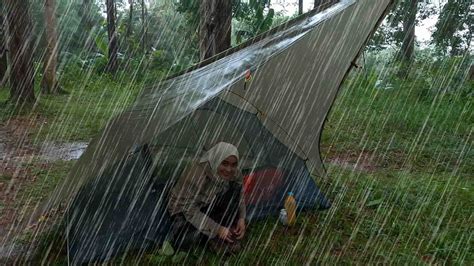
(17, 153)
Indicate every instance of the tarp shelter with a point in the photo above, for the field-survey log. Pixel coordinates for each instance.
(269, 96)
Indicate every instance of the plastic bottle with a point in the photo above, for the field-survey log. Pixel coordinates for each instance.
(290, 207)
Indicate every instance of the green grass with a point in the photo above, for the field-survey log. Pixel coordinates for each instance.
(399, 218)
(413, 206)
(91, 101)
(402, 128)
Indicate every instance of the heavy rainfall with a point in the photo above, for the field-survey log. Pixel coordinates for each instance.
(243, 132)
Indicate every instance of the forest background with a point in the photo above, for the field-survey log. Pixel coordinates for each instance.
(398, 142)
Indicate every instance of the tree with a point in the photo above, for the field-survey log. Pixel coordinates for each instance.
(256, 17)
(397, 24)
(49, 83)
(406, 53)
(323, 4)
(300, 7)
(130, 19)
(3, 49)
(214, 27)
(317, 4)
(144, 27)
(454, 29)
(85, 12)
(20, 39)
(112, 64)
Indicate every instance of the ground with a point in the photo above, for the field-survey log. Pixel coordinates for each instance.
(399, 165)
(21, 163)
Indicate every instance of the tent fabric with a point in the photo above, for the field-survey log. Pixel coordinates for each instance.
(283, 80)
(275, 120)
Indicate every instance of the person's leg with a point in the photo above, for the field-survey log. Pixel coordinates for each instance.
(183, 234)
(225, 209)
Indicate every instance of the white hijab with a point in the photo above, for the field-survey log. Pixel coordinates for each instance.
(218, 153)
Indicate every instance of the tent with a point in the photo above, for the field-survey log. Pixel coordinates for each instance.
(270, 97)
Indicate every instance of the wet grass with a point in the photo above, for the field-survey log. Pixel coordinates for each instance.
(90, 101)
(404, 127)
(412, 204)
(377, 217)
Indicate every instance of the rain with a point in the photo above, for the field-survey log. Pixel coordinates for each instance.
(236, 132)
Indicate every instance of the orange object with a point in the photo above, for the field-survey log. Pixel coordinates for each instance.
(248, 76)
(290, 207)
(261, 186)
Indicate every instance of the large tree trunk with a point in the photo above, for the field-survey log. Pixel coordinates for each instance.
(317, 4)
(49, 83)
(113, 40)
(87, 25)
(406, 53)
(321, 5)
(300, 7)
(20, 39)
(130, 19)
(214, 27)
(470, 77)
(3, 49)
(144, 27)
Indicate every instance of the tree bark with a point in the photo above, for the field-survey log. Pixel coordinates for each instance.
(49, 83)
(470, 77)
(113, 40)
(3, 49)
(407, 49)
(317, 4)
(214, 27)
(321, 5)
(144, 28)
(87, 25)
(300, 7)
(130, 19)
(20, 39)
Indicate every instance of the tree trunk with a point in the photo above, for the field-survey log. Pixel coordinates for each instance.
(300, 7)
(317, 4)
(321, 5)
(470, 77)
(214, 27)
(144, 28)
(405, 56)
(87, 25)
(20, 39)
(113, 40)
(3, 49)
(49, 84)
(130, 19)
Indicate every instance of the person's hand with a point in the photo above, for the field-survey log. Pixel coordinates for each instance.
(225, 234)
(240, 229)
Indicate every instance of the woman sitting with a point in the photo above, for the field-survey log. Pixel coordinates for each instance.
(206, 204)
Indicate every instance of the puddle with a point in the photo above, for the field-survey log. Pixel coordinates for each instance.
(53, 151)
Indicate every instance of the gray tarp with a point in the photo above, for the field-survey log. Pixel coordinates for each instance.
(297, 71)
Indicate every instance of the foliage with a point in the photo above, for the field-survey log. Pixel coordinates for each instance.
(253, 17)
(391, 31)
(454, 28)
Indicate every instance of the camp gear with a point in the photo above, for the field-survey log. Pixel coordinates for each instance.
(283, 217)
(261, 185)
(290, 208)
(116, 197)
